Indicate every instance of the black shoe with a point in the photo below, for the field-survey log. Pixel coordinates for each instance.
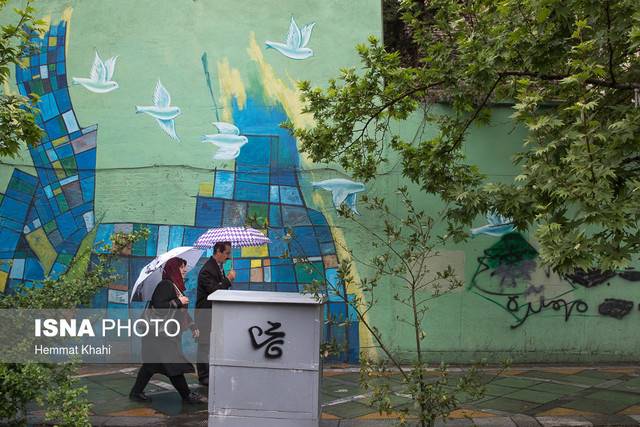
(204, 382)
(194, 399)
(139, 397)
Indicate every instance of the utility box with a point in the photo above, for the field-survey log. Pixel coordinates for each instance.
(264, 359)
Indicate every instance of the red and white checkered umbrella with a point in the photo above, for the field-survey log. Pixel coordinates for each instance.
(238, 236)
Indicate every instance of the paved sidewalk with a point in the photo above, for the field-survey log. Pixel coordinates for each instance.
(519, 397)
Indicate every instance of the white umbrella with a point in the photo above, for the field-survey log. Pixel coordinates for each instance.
(151, 273)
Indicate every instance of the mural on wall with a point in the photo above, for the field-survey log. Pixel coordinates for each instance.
(228, 140)
(47, 218)
(497, 226)
(101, 76)
(162, 110)
(295, 46)
(342, 191)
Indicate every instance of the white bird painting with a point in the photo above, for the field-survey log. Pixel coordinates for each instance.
(100, 77)
(162, 110)
(297, 41)
(228, 140)
(342, 191)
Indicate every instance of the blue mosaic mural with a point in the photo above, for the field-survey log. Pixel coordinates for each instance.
(44, 218)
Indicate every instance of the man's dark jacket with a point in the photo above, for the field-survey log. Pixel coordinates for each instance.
(210, 279)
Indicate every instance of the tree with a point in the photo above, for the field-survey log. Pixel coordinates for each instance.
(399, 263)
(570, 70)
(49, 384)
(17, 112)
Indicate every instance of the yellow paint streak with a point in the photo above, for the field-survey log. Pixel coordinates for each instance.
(275, 89)
(3, 280)
(366, 340)
(44, 250)
(66, 16)
(231, 86)
(255, 263)
(6, 89)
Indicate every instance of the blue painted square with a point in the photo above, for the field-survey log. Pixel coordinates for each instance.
(317, 217)
(14, 210)
(275, 219)
(290, 195)
(247, 191)
(324, 234)
(62, 99)
(60, 67)
(47, 106)
(304, 242)
(208, 212)
(8, 241)
(243, 269)
(103, 235)
(282, 272)
(274, 194)
(176, 234)
(286, 287)
(223, 185)
(60, 54)
(277, 247)
(191, 234)
(255, 174)
(240, 286)
(88, 187)
(64, 151)
(152, 240)
(255, 153)
(57, 270)
(327, 248)
(55, 128)
(66, 224)
(86, 162)
(282, 176)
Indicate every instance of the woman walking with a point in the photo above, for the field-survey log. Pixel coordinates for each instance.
(166, 351)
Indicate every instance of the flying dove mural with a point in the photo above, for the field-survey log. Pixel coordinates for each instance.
(100, 76)
(343, 191)
(498, 226)
(162, 110)
(297, 41)
(228, 140)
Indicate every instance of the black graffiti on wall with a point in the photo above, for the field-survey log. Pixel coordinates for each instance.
(555, 304)
(593, 277)
(616, 308)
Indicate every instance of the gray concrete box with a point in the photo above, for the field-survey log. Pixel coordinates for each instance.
(259, 377)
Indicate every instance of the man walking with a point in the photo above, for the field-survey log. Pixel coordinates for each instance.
(211, 278)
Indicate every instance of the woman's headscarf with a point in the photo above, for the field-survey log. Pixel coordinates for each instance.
(171, 272)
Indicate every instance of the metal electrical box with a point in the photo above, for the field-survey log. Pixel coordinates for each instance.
(264, 359)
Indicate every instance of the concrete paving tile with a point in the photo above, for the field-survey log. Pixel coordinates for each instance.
(499, 390)
(615, 396)
(596, 406)
(631, 410)
(524, 421)
(115, 406)
(343, 390)
(168, 403)
(329, 423)
(611, 420)
(563, 389)
(563, 412)
(134, 422)
(596, 373)
(454, 423)
(494, 422)
(534, 396)
(563, 422)
(583, 380)
(469, 413)
(543, 375)
(516, 382)
(506, 405)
